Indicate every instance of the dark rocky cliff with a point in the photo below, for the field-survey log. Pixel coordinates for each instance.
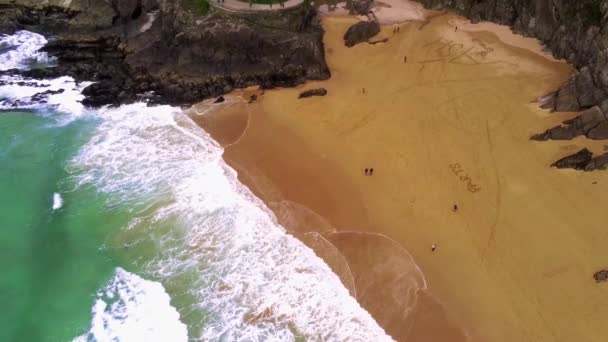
(168, 52)
(575, 30)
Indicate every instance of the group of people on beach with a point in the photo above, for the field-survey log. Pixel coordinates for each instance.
(369, 171)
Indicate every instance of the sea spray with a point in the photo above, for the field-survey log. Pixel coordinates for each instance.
(248, 278)
(131, 308)
(232, 272)
(57, 201)
(22, 50)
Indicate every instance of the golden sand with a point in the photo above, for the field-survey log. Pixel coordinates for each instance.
(449, 126)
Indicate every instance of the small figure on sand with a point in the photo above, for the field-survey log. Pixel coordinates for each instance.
(363, 90)
(433, 247)
(405, 59)
(366, 171)
(371, 171)
(455, 208)
(456, 29)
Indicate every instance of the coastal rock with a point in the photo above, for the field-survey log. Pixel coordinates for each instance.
(361, 32)
(313, 92)
(359, 7)
(598, 163)
(593, 124)
(131, 48)
(576, 31)
(571, 30)
(577, 161)
(601, 276)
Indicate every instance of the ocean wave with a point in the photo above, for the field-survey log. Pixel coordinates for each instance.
(57, 201)
(130, 308)
(22, 50)
(217, 249)
(249, 278)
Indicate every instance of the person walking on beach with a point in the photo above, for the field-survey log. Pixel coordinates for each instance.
(433, 247)
(455, 207)
(405, 59)
(371, 171)
(366, 171)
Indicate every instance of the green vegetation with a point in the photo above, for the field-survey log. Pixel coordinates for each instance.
(197, 7)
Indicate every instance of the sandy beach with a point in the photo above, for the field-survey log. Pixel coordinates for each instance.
(447, 126)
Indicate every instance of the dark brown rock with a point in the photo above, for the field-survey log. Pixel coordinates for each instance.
(601, 276)
(313, 92)
(361, 32)
(598, 163)
(359, 7)
(592, 123)
(171, 62)
(577, 161)
(573, 30)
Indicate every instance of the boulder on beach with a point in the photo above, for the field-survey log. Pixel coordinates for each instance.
(313, 92)
(361, 32)
(601, 276)
(577, 161)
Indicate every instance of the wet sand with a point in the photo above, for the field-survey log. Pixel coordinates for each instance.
(450, 126)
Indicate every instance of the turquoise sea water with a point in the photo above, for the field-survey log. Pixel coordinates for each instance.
(125, 224)
(52, 260)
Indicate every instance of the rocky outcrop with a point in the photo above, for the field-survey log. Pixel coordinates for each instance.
(359, 7)
(572, 30)
(601, 276)
(576, 31)
(361, 32)
(577, 161)
(592, 123)
(313, 92)
(157, 50)
(583, 160)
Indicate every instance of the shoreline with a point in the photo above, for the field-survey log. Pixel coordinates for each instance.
(333, 233)
(306, 163)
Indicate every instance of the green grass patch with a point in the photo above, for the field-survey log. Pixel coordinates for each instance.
(197, 7)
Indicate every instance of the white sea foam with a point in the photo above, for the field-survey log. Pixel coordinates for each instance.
(131, 308)
(21, 50)
(203, 235)
(251, 280)
(18, 88)
(57, 201)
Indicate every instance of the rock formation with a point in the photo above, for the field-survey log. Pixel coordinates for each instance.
(313, 92)
(601, 276)
(164, 52)
(361, 32)
(576, 31)
(583, 160)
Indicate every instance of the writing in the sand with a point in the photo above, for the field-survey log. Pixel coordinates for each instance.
(464, 177)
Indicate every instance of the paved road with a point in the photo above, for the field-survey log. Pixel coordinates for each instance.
(240, 6)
